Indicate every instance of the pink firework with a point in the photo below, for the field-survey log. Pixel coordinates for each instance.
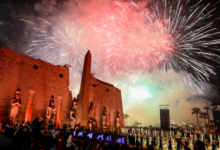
(128, 42)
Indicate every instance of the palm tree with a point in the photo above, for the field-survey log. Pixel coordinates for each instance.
(196, 111)
(204, 116)
(136, 123)
(207, 111)
(126, 117)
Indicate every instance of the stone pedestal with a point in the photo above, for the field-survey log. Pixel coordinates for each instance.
(71, 123)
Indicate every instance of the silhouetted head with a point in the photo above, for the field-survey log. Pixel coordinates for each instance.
(114, 139)
(153, 143)
(137, 144)
(199, 145)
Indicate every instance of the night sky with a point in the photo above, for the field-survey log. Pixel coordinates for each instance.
(17, 35)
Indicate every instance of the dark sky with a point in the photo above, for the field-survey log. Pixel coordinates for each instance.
(14, 36)
(12, 29)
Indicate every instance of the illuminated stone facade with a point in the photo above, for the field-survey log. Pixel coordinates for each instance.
(101, 94)
(38, 80)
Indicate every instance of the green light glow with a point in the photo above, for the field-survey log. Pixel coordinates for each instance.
(140, 94)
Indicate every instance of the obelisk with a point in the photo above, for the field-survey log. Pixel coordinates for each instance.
(83, 102)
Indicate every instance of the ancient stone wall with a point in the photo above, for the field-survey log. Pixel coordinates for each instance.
(32, 76)
(105, 94)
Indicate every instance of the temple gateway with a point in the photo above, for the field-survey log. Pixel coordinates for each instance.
(33, 88)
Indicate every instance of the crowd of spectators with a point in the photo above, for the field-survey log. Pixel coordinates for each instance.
(37, 135)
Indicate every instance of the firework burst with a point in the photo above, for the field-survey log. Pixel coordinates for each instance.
(67, 45)
(158, 36)
(130, 44)
(149, 36)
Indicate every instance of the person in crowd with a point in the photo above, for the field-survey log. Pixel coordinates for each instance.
(9, 121)
(54, 132)
(86, 142)
(60, 142)
(27, 135)
(95, 133)
(55, 142)
(198, 145)
(46, 131)
(71, 141)
(36, 131)
(113, 145)
(99, 144)
(22, 122)
(88, 146)
(50, 127)
(8, 128)
(80, 140)
(85, 135)
(125, 146)
(18, 139)
(65, 135)
(94, 143)
(105, 145)
(137, 146)
(80, 146)
(151, 147)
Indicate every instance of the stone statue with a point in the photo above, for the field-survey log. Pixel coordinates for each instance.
(91, 111)
(73, 110)
(91, 116)
(118, 124)
(15, 104)
(104, 117)
(51, 111)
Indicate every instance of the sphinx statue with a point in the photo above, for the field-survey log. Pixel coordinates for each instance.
(51, 111)
(15, 104)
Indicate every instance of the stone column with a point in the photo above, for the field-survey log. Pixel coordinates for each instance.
(59, 110)
(29, 108)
